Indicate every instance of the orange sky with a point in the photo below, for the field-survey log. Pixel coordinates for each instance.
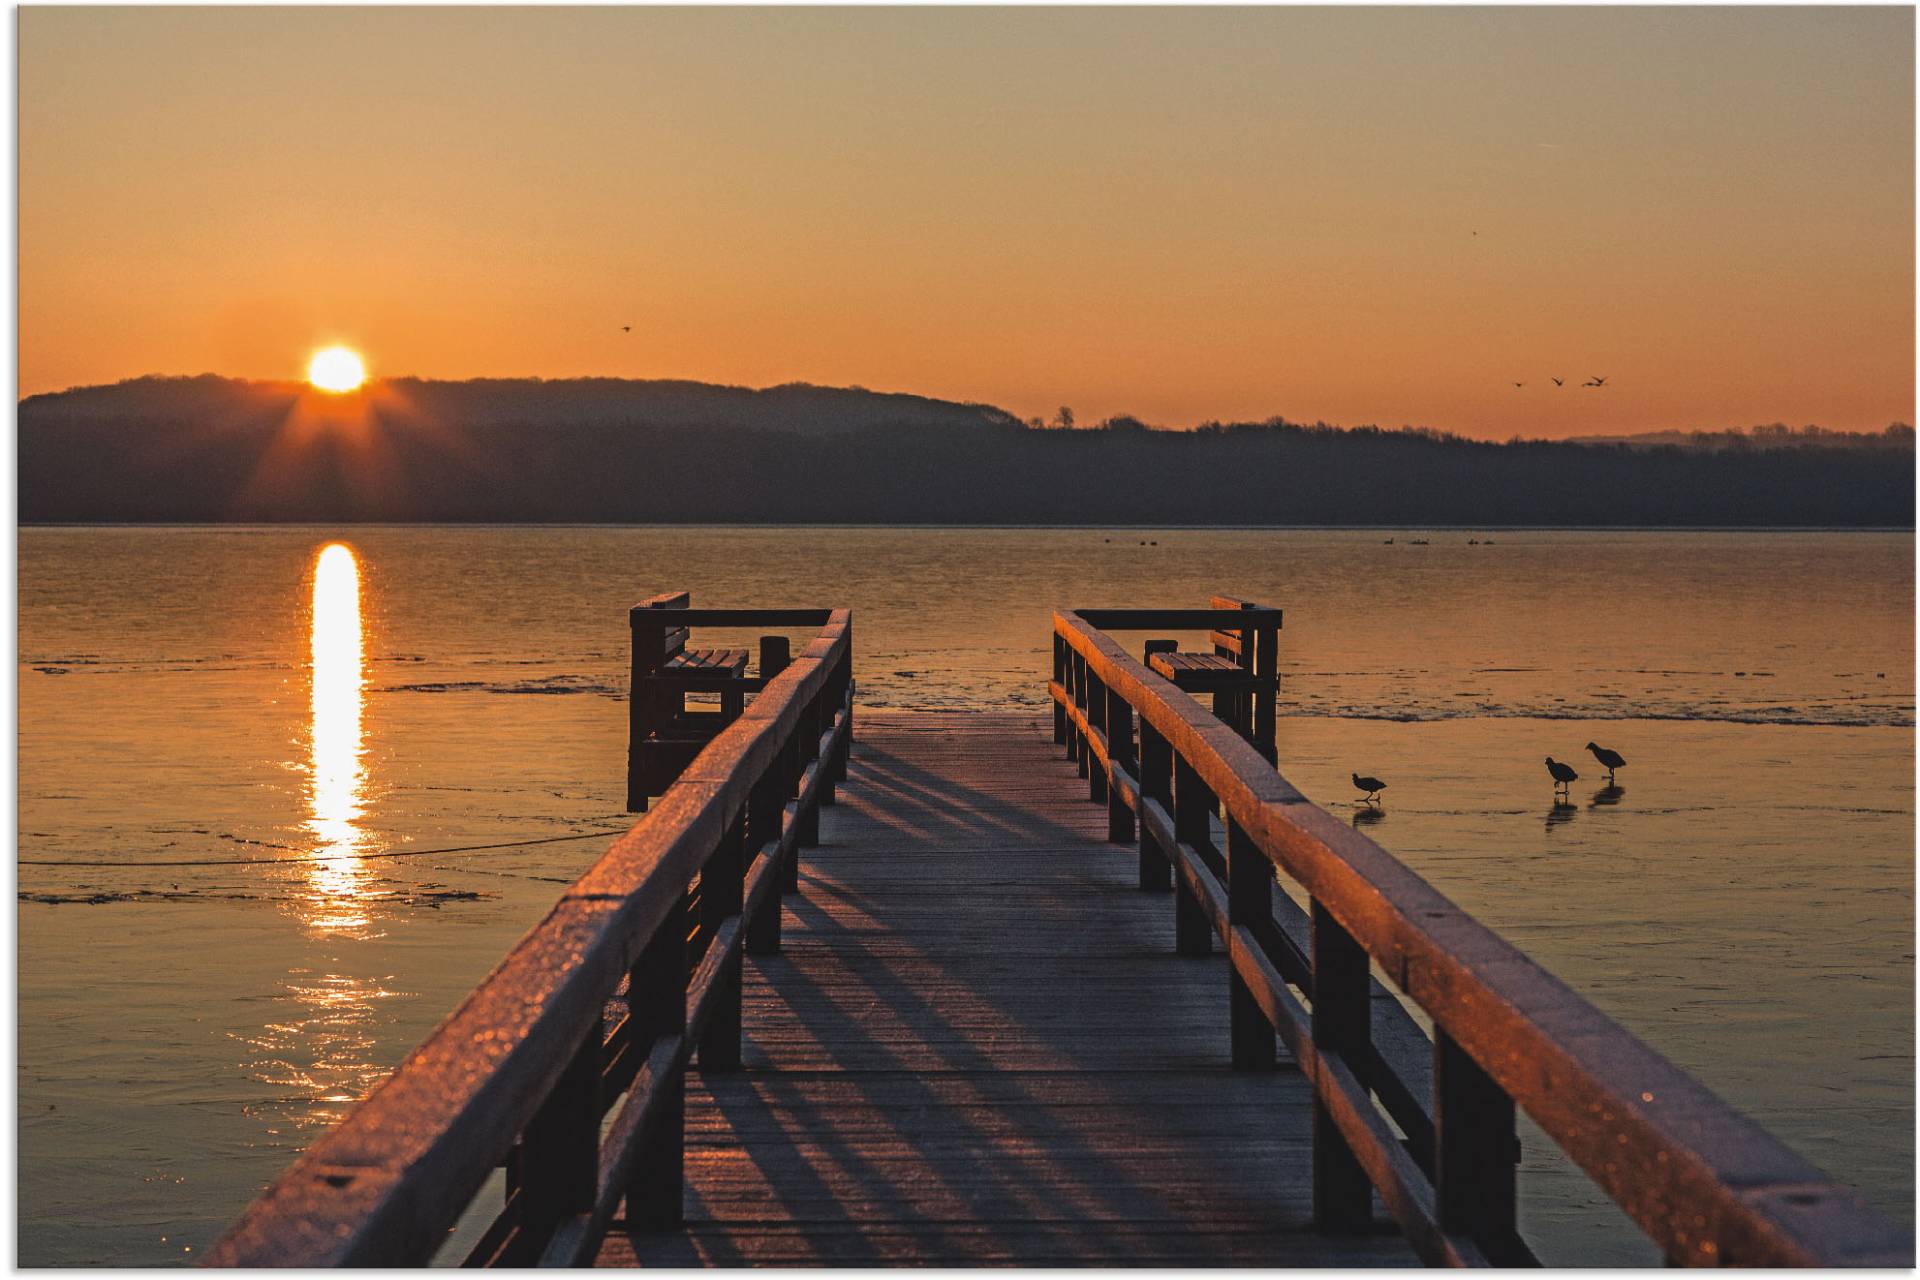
(1352, 214)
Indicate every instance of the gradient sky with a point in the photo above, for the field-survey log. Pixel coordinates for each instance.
(1351, 214)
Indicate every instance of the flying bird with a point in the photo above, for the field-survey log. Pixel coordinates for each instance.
(1372, 786)
(1595, 382)
(1563, 774)
(1559, 383)
(1519, 384)
(1609, 760)
(626, 328)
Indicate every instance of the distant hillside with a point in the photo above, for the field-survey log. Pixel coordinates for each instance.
(1773, 436)
(480, 402)
(209, 449)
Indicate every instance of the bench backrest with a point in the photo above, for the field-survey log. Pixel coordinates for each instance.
(655, 646)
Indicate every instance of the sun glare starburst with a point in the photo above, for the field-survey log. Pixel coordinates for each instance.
(336, 369)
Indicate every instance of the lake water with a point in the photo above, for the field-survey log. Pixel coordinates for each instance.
(1744, 900)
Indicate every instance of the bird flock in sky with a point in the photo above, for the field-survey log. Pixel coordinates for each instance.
(1561, 382)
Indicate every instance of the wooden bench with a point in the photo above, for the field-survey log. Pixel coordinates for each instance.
(666, 732)
(1242, 672)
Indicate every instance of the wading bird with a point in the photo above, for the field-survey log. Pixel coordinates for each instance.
(1563, 774)
(1372, 786)
(1609, 760)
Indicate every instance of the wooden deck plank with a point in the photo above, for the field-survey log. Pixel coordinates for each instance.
(976, 1046)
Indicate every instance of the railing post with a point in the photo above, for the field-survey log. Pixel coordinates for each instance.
(1266, 701)
(559, 1161)
(647, 652)
(1156, 783)
(775, 657)
(1081, 748)
(1249, 903)
(1119, 720)
(657, 1004)
(845, 698)
(766, 813)
(811, 727)
(1475, 1149)
(1097, 719)
(1342, 1014)
(834, 769)
(720, 886)
(1193, 803)
(1060, 678)
(828, 713)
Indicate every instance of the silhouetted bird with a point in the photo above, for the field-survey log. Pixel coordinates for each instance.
(626, 328)
(1594, 382)
(1372, 786)
(1519, 384)
(1563, 774)
(1558, 383)
(1609, 760)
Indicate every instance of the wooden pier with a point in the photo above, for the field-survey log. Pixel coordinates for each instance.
(908, 997)
(976, 1044)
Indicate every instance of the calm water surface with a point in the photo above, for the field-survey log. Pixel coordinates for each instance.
(264, 728)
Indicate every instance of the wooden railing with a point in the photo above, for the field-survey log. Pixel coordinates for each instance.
(526, 1070)
(1430, 1126)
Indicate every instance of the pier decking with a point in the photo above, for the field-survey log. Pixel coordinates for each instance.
(977, 1045)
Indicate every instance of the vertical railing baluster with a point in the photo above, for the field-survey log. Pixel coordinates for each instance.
(1083, 753)
(845, 699)
(559, 1161)
(1342, 1014)
(1119, 721)
(1192, 804)
(807, 754)
(720, 889)
(1072, 686)
(647, 652)
(1097, 719)
(1156, 783)
(827, 713)
(1060, 678)
(1475, 1148)
(775, 657)
(837, 704)
(788, 766)
(1266, 702)
(1250, 904)
(657, 1006)
(766, 813)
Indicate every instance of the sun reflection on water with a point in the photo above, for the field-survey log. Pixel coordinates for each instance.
(337, 877)
(320, 1052)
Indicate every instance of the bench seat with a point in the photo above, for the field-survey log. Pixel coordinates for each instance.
(729, 663)
(1203, 672)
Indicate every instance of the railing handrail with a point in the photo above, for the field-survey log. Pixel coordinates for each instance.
(388, 1182)
(1702, 1180)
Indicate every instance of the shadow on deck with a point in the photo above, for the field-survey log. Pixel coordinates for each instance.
(977, 1045)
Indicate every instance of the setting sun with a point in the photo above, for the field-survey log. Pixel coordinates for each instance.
(336, 369)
